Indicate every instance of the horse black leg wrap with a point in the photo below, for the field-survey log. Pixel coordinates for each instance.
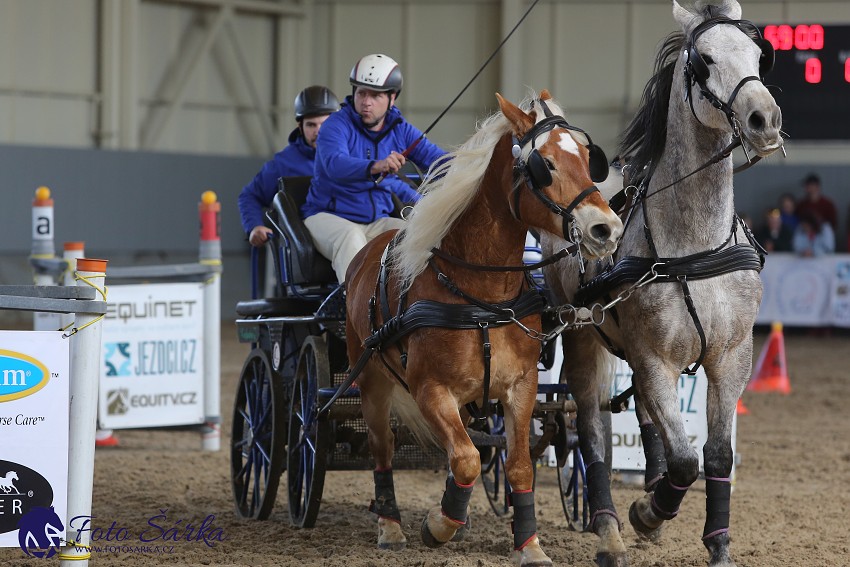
(718, 492)
(384, 504)
(653, 450)
(456, 500)
(524, 524)
(599, 493)
(666, 498)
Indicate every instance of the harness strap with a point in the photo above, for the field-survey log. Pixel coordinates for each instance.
(480, 414)
(349, 380)
(693, 311)
(557, 256)
(631, 268)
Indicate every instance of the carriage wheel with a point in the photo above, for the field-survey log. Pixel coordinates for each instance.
(258, 433)
(493, 475)
(309, 437)
(572, 479)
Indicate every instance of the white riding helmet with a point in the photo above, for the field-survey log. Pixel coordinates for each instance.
(377, 72)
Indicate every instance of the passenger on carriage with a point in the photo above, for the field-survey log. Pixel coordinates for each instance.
(313, 105)
(357, 156)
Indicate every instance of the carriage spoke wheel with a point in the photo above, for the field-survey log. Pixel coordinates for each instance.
(493, 475)
(572, 486)
(309, 437)
(572, 477)
(257, 438)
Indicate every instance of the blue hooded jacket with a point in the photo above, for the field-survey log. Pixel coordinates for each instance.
(345, 152)
(294, 160)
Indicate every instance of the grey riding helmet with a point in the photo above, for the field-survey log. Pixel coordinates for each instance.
(315, 101)
(377, 72)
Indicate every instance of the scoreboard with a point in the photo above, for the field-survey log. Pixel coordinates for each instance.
(813, 72)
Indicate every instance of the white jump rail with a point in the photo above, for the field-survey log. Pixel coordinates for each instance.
(48, 269)
(85, 347)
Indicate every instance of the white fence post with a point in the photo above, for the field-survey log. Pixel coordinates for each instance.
(71, 252)
(85, 369)
(210, 254)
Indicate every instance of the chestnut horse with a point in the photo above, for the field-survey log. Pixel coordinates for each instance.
(450, 332)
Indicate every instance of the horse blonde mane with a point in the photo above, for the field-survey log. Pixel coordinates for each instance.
(449, 188)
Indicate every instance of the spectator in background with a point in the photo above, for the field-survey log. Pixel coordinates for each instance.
(815, 202)
(774, 235)
(787, 206)
(813, 236)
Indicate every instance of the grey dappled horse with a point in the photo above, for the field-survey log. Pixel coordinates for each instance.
(705, 89)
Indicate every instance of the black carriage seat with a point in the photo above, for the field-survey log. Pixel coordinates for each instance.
(276, 306)
(303, 265)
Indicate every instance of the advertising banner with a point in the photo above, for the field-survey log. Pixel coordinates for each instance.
(806, 292)
(153, 360)
(34, 414)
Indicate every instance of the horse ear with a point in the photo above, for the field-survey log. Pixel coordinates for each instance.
(728, 8)
(544, 95)
(521, 121)
(685, 18)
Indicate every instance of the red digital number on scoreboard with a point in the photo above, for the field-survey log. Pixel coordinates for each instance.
(803, 37)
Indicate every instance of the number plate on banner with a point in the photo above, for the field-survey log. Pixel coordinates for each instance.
(34, 402)
(153, 372)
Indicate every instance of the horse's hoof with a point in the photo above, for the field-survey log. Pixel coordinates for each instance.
(428, 538)
(464, 530)
(612, 560)
(531, 556)
(520, 560)
(718, 548)
(643, 531)
(397, 546)
(390, 535)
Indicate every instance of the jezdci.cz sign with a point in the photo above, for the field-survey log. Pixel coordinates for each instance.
(152, 373)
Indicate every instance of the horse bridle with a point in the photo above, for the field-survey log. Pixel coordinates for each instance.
(528, 171)
(697, 71)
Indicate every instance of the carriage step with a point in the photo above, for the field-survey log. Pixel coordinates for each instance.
(328, 393)
(553, 389)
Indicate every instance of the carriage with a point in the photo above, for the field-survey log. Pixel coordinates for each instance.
(298, 362)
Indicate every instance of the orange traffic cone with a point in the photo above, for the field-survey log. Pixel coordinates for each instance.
(741, 409)
(771, 372)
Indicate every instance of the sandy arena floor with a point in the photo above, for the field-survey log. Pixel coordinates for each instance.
(789, 506)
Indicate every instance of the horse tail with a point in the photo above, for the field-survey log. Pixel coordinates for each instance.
(408, 413)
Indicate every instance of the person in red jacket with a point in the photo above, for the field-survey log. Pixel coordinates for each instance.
(814, 202)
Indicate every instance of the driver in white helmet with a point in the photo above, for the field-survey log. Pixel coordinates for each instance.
(358, 153)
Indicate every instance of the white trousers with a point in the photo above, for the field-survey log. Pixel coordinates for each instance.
(340, 239)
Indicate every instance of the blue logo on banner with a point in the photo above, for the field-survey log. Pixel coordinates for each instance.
(117, 359)
(20, 375)
(40, 532)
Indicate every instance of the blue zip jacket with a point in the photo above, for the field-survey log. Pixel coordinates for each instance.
(345, 151)
(294, 160)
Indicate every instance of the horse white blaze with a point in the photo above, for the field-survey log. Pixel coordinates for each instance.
(567, 143)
